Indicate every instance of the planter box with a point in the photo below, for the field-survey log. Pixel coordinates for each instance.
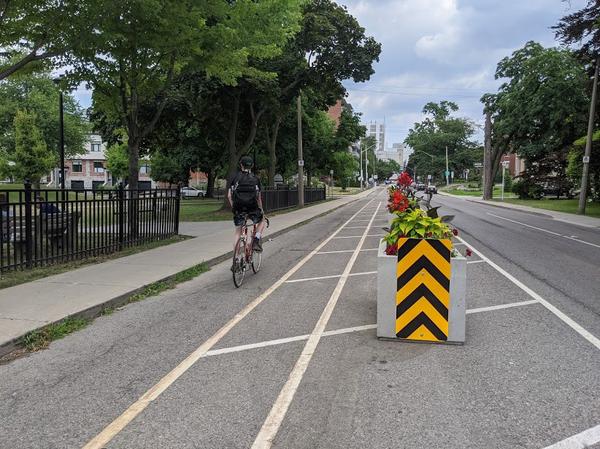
(424, 303)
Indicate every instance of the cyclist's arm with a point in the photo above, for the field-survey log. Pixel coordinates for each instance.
(229, 198)
(260, 200)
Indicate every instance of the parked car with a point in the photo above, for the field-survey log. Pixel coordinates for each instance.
(192, 192)
(431, 188)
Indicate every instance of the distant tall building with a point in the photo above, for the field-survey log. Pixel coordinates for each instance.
(395, 154)
(377, 130)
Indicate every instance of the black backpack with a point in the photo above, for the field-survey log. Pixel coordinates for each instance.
(245, 190)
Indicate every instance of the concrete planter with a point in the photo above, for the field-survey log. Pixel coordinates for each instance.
(394, 321)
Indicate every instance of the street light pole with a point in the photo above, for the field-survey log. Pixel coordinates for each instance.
(447, 170)
(588, 145)
(300, 157)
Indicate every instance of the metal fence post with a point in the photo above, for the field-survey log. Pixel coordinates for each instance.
(121, 214)
(28, 226)
(177, 205)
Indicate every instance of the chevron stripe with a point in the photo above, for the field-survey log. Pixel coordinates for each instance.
(423, 289)
(410, 330)
(422, 292)
(423, 264)
(424, 278)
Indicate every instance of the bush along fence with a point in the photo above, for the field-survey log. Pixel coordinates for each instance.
(42, 227)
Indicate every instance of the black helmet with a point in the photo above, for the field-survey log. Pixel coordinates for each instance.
(246, 162)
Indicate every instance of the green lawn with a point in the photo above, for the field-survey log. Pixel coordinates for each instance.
(562, 205)
(203, 210)
(337, 191)
(479, 193)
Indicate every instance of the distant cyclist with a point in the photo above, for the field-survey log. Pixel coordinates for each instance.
(244, 198)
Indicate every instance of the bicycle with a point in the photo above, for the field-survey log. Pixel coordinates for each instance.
(244, 255)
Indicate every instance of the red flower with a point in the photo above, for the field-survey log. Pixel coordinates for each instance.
(391, 250)
(398, 202)
(455, 231)
(469, 252)
(404, 180)
(429, 234)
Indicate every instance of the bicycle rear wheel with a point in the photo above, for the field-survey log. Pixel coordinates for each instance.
(256, 261)
(239, 263)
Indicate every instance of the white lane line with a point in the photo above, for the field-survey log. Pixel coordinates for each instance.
(475, 261)
(356, 227)
(587, 438)
(525, 224)
(581, 241)
(110, 431)
(358, 236)
(269, 429)
(333, 276)
(570, 237)
(342, 251)
(503, 306)
(346, 330)
(564, 318)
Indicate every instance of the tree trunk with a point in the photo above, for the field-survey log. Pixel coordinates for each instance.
(308, 176)
(272, 146)
(210, 183)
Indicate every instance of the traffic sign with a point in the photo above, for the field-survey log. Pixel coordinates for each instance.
(505, 164)
(447, 173)
(300, 162)
(586, 159)
(478, 165)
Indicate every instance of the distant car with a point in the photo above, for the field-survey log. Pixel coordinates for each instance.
(420, 186)
(431, 188)
(192, 192)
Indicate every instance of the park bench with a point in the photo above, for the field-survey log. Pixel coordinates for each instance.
(56, 228)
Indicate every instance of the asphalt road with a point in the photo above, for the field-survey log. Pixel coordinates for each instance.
(291, 359)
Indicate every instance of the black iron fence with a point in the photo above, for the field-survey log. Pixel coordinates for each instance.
(41, 227)
(283, 198)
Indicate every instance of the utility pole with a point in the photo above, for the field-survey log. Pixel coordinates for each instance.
(360, 159)
(588, 145)
(300, 157)
(447, 170)
(487, 158)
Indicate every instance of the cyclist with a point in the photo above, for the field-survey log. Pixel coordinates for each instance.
(245, 199)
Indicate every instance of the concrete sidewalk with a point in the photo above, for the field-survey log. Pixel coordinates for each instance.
(86, 291)
(580, 220)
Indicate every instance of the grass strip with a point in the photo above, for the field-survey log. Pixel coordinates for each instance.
(41, 338)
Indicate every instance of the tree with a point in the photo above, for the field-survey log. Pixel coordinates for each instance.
(117, 161)
(345, 165)
(31, 159)
(38, 94)
(386, 168)
(582, 27)
(540, 110)
(139, 47)
(439, 131)
(37, 30)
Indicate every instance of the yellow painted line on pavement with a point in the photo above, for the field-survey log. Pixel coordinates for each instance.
(110, 431)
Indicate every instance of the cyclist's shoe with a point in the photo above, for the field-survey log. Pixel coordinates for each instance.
(256, 246)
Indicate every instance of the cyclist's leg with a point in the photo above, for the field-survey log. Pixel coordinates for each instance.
(238, 222)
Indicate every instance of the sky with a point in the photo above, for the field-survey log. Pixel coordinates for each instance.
(435, 50)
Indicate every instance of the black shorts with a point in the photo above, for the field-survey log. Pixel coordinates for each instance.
(255, 215)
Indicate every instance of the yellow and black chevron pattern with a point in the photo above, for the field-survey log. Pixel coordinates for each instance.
(423, 289)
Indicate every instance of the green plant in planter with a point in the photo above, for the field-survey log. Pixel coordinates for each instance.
(417, 224)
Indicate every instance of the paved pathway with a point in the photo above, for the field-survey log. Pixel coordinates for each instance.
(290, 360)
(27, 307)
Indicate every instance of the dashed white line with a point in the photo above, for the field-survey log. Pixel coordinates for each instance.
(582, 440)
(333, 276)
(564, 318)
(475, 261)
(357, 236)
(503, 306)
(342, 251)
(570, 237)
(269, 429)
(116, 426)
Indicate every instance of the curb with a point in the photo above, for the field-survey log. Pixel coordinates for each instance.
(96, 310)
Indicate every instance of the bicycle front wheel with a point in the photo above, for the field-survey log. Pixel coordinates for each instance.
(256, 261)
(239, 263)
